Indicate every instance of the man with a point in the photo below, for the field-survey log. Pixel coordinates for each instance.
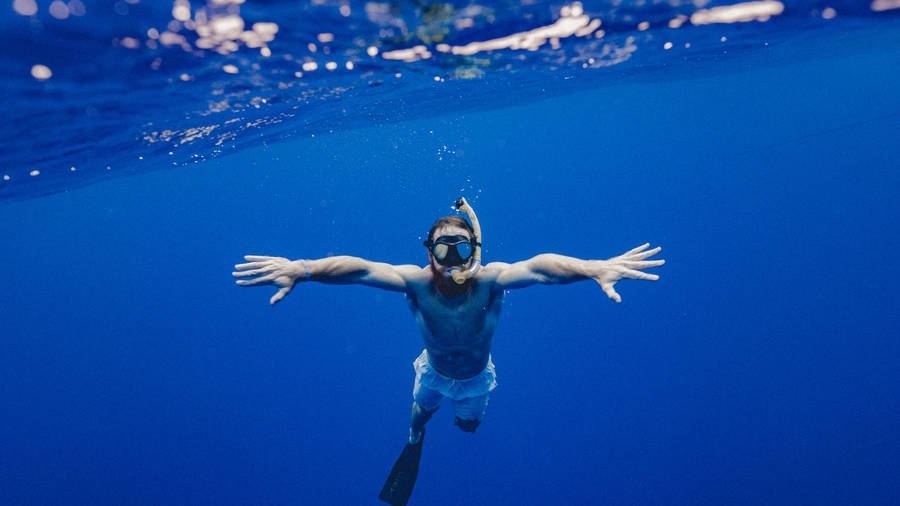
(456, 303)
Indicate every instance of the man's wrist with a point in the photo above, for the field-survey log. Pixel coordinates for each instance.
(304, 272)
(591, 268)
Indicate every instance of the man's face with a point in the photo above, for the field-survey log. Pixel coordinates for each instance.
(443, 230)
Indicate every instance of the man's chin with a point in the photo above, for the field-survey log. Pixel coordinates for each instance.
(441, 273)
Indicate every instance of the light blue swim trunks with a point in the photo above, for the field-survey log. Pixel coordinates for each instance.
(469, 396)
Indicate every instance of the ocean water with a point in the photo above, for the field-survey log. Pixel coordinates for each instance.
(150, 145)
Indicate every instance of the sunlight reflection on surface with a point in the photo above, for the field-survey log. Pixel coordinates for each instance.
(747, 11)
(884, 5)
(210, 75)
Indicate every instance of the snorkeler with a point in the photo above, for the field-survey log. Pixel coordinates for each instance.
(456, 303)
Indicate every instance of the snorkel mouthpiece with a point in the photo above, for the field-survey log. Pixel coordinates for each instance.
(461, 275)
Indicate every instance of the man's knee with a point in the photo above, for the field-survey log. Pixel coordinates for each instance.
(422, 414)
(467, 425)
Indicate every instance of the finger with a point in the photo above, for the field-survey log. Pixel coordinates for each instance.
(247, 274)
(640, 248)
(610, 292)
(253, 282)
(257, 258)
(268, 278)
(633, 274)
(279, 295)
(648, 253)
(250, 265)
(644, 264)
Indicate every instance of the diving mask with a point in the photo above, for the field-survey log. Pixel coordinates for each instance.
(452, 250)
(460, 254)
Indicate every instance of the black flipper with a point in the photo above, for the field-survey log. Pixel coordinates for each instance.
(400, 482)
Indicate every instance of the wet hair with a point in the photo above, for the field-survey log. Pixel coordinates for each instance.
(453, 221)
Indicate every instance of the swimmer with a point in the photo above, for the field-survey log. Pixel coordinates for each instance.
(456, 303)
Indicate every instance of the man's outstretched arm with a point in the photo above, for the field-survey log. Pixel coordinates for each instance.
(284, 273)
(557, 269)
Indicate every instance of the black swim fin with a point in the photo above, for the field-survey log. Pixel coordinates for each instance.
(400, 482)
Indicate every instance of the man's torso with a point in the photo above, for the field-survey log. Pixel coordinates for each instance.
(458, 331)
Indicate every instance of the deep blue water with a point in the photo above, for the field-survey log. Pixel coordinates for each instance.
(762, 368)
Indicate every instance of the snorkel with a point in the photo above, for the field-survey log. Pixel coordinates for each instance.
(462, 274)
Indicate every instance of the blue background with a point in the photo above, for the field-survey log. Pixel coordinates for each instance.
(762, 368)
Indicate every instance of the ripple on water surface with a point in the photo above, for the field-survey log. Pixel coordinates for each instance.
(100, 89)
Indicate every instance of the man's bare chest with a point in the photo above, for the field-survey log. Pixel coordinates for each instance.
(455, 316)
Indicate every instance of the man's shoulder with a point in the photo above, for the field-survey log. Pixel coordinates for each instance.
(488, 274)
(411, 268)
(414, 274)
(492, 270)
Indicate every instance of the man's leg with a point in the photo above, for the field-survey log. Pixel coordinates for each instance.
(426, 402)
(470, 412)
(417, 421)
(467, 425)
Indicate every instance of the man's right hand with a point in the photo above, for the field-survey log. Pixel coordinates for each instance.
(277, 271)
